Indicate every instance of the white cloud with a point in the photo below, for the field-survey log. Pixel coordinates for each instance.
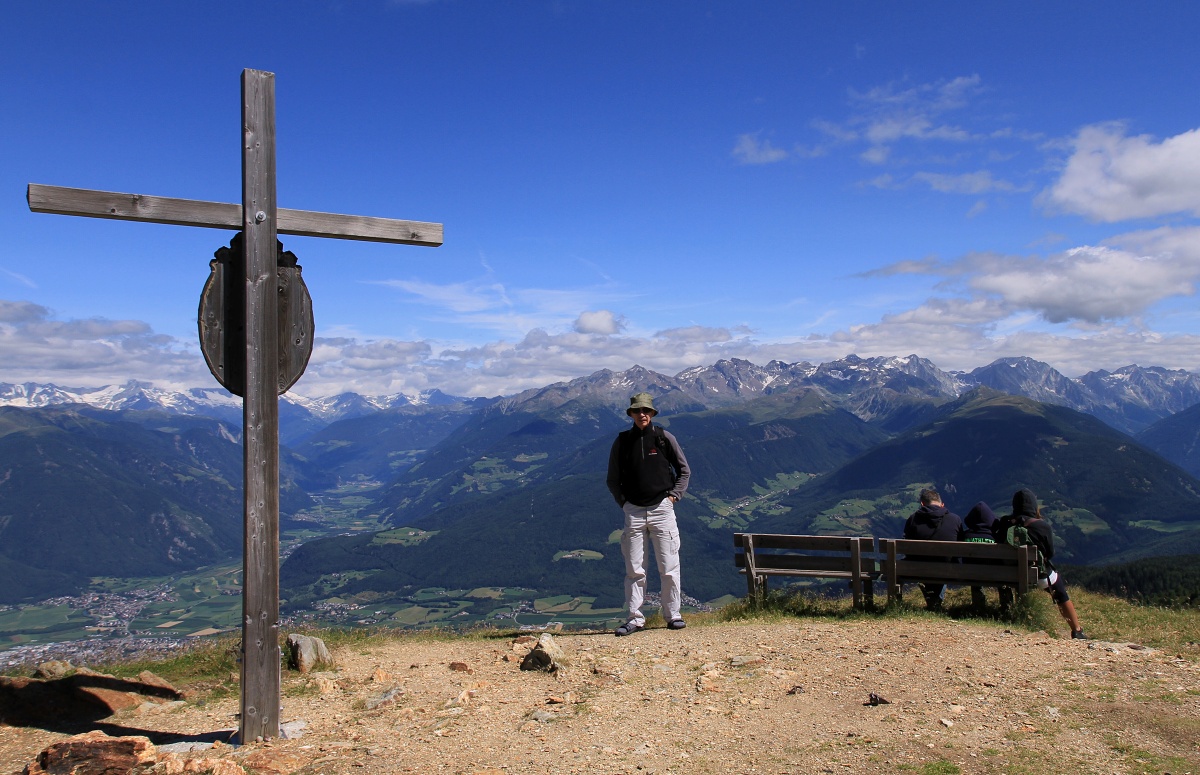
(1112, 177)
(21, 312)
(973, 183)
(1077, 309)
(599, 322)
(20, 278)
(488, 305)
(749, 149)
(836, 132)
(876, 154)
(1091, 284)
(894, 112)
(35, 347)
(696, 334)
(456, 297)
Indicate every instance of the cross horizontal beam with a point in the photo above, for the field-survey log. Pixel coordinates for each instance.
(220, 215)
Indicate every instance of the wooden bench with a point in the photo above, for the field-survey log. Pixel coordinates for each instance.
(836, 557)
(984, 565)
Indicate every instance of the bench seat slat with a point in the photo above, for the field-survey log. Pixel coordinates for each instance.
(811, 573)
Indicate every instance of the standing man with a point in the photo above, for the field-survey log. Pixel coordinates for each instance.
(933, 522)
(648, 475)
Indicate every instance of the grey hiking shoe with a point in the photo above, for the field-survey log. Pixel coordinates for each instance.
(628, 628)
(676, 624)
(1078, 635)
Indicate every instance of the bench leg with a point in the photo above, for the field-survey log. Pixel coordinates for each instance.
(756, 588)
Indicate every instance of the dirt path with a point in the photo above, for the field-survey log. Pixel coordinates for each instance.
(749, 697)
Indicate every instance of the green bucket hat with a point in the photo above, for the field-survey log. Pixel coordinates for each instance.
(641, 401)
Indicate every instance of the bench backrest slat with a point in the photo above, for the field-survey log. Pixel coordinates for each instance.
(764, 561)
(798, 543)
(998, 552)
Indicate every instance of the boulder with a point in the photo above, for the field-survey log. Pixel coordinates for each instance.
(94, 753)
(546, 655)
(164, 687)
(274, 762)
(55, 668)
(306, 652)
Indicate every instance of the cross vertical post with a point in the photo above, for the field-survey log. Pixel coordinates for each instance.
(260, 415)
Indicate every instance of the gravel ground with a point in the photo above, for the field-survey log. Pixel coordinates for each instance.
(747, 697)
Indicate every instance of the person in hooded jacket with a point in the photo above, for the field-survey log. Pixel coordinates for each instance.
(978, 528)
(1025, 512)
(933, 522)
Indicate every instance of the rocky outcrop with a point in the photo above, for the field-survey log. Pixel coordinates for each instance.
(546, 655)
(306, 652)
(94, 753)
(83, 694)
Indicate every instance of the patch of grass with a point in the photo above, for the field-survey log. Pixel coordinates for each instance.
(940, 767)
(1104, 617)
(1110, 618)
(208, 660)
(777, 604)
(1138, 760)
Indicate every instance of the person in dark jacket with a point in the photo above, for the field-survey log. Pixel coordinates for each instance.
(647, 475)
(1026, 513)
(978, 527)
(933, 522)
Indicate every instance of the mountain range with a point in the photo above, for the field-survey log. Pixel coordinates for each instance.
(1130, 399)
(506, 488)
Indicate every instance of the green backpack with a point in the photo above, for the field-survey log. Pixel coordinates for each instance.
(1014, 533)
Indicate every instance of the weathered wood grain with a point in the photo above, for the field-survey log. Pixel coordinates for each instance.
(261, 654)
(89, 203)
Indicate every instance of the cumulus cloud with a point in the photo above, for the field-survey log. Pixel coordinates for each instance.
(21, 312)
(1113, 177)
(37, 347)
(1092, 284)
(749, 149)
(601, 322)
(955, 331)
(959, 335)
(1077, 309)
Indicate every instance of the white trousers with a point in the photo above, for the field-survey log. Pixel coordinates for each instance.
(658, 524)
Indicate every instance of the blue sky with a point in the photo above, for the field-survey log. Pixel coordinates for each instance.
(662, 183)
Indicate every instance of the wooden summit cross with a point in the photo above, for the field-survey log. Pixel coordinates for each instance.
(260, 221)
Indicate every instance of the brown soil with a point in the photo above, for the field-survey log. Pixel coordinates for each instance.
(750, 697)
